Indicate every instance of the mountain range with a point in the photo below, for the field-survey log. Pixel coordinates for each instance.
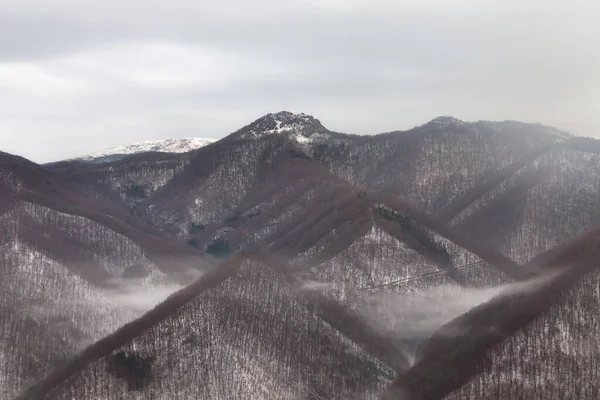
(287, 261)
(182, 145)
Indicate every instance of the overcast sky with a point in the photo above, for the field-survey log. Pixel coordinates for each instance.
(78, 76)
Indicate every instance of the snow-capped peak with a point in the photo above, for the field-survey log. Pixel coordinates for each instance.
(296, 126)
(182, 145)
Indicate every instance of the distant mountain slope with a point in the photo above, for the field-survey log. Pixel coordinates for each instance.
(48, 313)
(535, 340)
(125, 182)
(32, 183)
(436, 163)
(185, 348)
(507, 184)
(182, 145)
(458, 170)
(242, 331)
(553, 198)
(367, 223)
(61, 255)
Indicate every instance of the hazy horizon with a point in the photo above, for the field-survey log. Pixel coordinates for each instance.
(79, 77)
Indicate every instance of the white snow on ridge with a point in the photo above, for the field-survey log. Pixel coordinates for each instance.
(166, 146)
(293, 130)
(299, 127)
(288, 122)
(302, 139)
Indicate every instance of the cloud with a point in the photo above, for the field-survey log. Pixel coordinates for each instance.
(111, 69)
(417, 315)
(140, 298)
(411, 317)
(34, 80)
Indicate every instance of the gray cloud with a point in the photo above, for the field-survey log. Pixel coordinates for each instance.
(34, 37)
(97, 74)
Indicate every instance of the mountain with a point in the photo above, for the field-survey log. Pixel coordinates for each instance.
(182, 145)
(301, 128)
(244, 332)
(504, 349)
(62, 256)
(337, 265)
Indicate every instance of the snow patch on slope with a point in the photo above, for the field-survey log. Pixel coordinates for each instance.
(165, 146)
(299, 127)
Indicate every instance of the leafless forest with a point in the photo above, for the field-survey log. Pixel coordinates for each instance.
(454, 260)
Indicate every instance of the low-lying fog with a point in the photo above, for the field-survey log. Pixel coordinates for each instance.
(410, 317)
(140, 297)
(417, 314)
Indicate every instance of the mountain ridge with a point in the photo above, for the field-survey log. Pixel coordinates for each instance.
(180, 145)
(298, 126)
(362, 221)
(301, 127)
